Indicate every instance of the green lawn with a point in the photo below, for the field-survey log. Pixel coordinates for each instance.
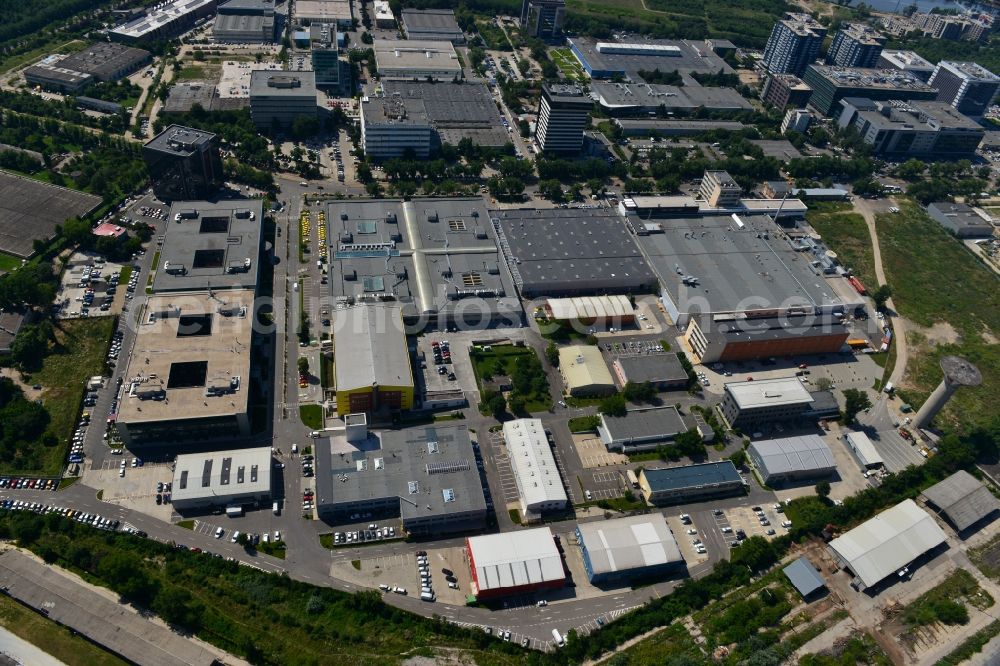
(935, 279)
(846, 234)
(584, 423)
(79, 355)
(8, 262)
(125, 274)
(568, 64)
(485, 364)
(49, 636)
(312, 416)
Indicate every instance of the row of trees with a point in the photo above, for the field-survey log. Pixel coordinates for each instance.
(66, 111)
(21, 420)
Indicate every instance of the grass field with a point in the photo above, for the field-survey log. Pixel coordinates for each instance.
(846, 234)
(8, 262)
(52, 638)
(493, 36)
(78, 355)
(568, 64)
(935, 279)
(196, 72)
(312, 416)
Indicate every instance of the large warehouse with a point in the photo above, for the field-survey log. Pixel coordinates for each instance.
(568, 252)
(584, 372)
(30, 210)
(165, 20)
(735, 337)
(884, 545)
(690, 483)
(416, 60)
(605, 60)
(435, 25)
(963, 499)
(641, 429)
(514, 563)
(371, 359)
(536, 475)
(426, 475)
(664, 371)
(222, 478)
(792, 459)
(640, 99)
(436, 258)
(590, 310)
(628, 548)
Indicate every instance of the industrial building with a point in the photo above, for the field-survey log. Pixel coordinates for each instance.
(752, 404)
(781, 90)
(690, 483)
(278, 98)
(31, 210)
(906, 61)
(332, 72)
(866, 453)
(566, 252)
(165, 21)
(962, 220)
(967, 86)
(238, 477)
(855, 45)
(641, 429)
(563, 115)
(10, 325)
(334, 12)
(607, 60)
(645, 212)
(907, 129)
(831, 84)
(963, 499)
(584, 372)
(188, 378)
(514, 563)
(384, 17)
(245, 22)
(663, 371)
(210, 246)
(727, 337)
(647, 127)
(634, 99)
(636, 547)
(103, 61)
(804, 578)
(412, 59)
(791, 459)
(737, 264)
(794, 44)
(436, 258)
(602, 311)
(426, 476)
(539, 485)
(542, 19)
(371, 359)
(183, 164)
(433, 25)
(886, 544)
(420, 116)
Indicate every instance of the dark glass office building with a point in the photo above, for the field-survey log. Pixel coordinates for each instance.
(183, 164)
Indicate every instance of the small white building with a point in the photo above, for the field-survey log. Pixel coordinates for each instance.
(539, 484)
(222, 478)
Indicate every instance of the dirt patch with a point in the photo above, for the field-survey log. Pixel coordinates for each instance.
(941, 333)
(15, 376)
(989, 338)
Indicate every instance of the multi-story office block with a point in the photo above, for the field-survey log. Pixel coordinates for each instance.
(832, 84)
(967, 86)
(855, 45)
(183, 163)
(278, 98)
(543, 18)
(781, 90)
(796, 120)
(793, 45)
(906, 61)
(563, 116)
(720, 190)
(910, 129)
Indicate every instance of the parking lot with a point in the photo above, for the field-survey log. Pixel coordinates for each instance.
(593, 453)
(438, 369)
(685, 541)
(607, 484)
(502, 462)
(843, 370)
(234, 83)
(88, 287)
(137, 489)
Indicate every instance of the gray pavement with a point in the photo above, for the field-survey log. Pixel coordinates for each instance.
(20, 651)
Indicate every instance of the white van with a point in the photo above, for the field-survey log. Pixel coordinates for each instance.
(235, 537)
(557, 637)
(275, 509)
(427, 596)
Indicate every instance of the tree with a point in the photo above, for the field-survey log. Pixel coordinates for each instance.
(366, 38)
(303, 365)
(639, 392)
(881, 295)
(824, 383)
(690, 443)
(857, 401)
(739, 458)
(493, 404)
(552, 355)
(613, 405)
(305, 126)
(551, 190)
(823, 488)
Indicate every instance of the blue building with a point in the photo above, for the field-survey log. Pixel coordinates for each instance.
(628, 548)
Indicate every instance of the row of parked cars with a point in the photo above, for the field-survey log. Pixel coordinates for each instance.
(24, 482)
(92, 519)
(373, 533)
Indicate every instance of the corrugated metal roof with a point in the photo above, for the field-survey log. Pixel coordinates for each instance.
(590, 307)
(516, 558)
(768, 392)
(583, 366)
(963, 499)
(804, 577)
(894, 538)
(369, 346)
(531, 460)
(864, 448)
(629, 543)
(794, 454)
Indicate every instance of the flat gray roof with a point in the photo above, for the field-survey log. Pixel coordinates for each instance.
(805, 453)
(689, 56)
(416, 55)
(963, 499)
(645, 424)
(180, 140)
(240, 23)
(275, 83)
(635, 542)
(929, 114)
(216, 244)
(454, 110)
(652, 368)
(161, 16)
(692, 476)
(31, 209)
(219, 474)
(804, 577)
(417, 465)
(728, 328)
(553, 251)
(768, 392)
(104, 59)
(871, 78)
(616, 96)
(431, 255)
(369, 346)
(750, 268)
(431, 24)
